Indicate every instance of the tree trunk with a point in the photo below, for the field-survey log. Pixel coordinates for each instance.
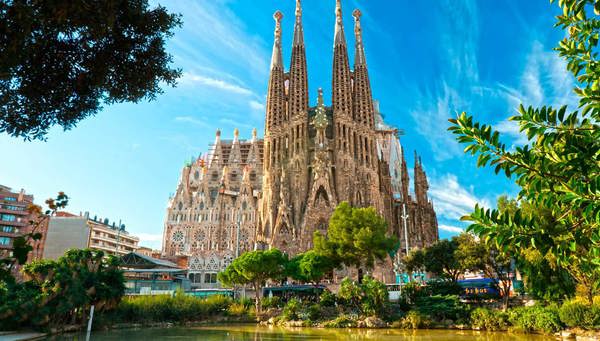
(257, 296)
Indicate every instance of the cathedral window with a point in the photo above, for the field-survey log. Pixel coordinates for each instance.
(201, 205)
(196, 175)
(180, 206)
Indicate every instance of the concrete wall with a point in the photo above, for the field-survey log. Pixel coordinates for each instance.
(66, 233)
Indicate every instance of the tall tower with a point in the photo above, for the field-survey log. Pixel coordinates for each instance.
(275, 144)
(298, 105)
(344, 134)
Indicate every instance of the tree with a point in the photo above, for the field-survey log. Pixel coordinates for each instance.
(309, 267)
(558, 170)
(255, 268)
(60, 292)
(542, 276)
(414, 261)
(61, 60)
(496, 264)
(355, 237)
(440, 259)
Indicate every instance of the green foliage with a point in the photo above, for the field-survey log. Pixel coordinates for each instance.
(488, 319)
(413, 320)
(327, 299)
(355, 237)
(255, 268)
(350, 294)
(60, 292)
(309, 267)
(342, 321)
(558, 170)
(578, 314)
(440, 259)
(272, 302)
(314, 312)
(62, 60)
(178, 308)
(291, 311)
(375, 296)
(440, 308)
(535, 319)
(411, 291)
(495, 263)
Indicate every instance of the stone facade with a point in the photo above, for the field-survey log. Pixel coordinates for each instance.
(277, 191)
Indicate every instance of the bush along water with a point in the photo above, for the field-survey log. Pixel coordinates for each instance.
(179, 309)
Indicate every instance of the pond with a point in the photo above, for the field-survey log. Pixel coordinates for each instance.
(256, 333)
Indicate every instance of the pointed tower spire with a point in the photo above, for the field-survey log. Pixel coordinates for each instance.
(339, 37)
(276, 91)
(364, 112)
(405, 178)
(276, 58)
(342, 79)
(298, 85)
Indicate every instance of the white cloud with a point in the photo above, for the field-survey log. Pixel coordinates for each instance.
(223, 37)
(192, 120)
(256, 105)
(511, 128)
(459, 75)
(190, 78)
(452, 229)
(431, 116)
(451, 200)
(545, 81)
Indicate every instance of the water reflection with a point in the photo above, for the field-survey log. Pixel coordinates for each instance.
(259, 333)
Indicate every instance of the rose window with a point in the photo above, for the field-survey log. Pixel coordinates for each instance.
(177, 236)
(200, 236)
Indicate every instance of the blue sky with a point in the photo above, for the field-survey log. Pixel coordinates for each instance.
(427, 59)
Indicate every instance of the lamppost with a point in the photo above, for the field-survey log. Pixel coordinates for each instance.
(404, 217)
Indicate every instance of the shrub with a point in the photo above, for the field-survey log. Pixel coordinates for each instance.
(314, 312)
(573, 313)
(237, 309)
(327, 299)
(483, 318)
(291, 311)
(579, 314)
(375, 296)
(350, 293)
(413, 320)
(411, 291)
(535, 319)
(440, 308)
(342, 321)
(271, 302)
(179, 308)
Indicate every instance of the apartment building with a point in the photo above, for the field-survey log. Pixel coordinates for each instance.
(69, 231)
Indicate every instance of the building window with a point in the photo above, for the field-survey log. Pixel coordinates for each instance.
(10, 198)
(210, 278)
(8, 217)
(13, 208)
(6, 241)
(8, 229)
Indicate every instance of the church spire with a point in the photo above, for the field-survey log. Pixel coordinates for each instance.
(342, 84)
(298, 86)
(276, 59)
(339, 38)
(276, 90)
(363, 100)
(298, 30)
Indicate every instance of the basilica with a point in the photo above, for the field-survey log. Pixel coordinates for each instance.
(276, 191)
